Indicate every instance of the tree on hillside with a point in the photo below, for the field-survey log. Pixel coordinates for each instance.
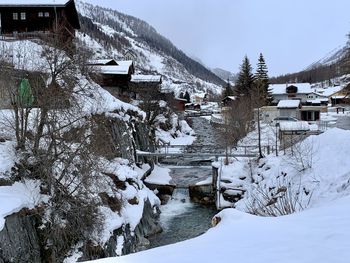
(262, 82)
(245, 80)
(346, 61)
(227, 91)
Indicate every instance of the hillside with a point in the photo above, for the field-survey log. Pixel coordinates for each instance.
(111, 34)
(331, 58)
(224, 74)
(333, 65)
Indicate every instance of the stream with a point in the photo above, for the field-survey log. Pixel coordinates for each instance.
(180, 218)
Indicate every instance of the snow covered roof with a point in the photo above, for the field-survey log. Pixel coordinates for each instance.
(181, 99)
(294, 126)
(34, 2)
(341, 97)
(122, 68)
(317, 101)
(288, 104)
(281, 88)
(102, 61)
(330, 90)
(146, 78)
(230, 98)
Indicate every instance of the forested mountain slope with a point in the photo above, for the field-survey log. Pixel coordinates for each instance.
(111, 34)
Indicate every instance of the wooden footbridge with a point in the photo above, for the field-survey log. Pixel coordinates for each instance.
(203, 152)
(191, 114)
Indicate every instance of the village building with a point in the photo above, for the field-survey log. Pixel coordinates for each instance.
(130, 55)
(103, 62)
(291, 132)
(311, 95)
(140, 85)
(289, 108)
(228, 101)
(180, 104)
(113, 75)
(296, 91)
(118, 78)
(23, 18)
(341, 97)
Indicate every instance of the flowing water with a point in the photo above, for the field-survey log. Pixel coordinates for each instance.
(181, 219)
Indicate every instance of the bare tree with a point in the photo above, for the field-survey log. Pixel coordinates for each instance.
(237, 123)
(57, 138)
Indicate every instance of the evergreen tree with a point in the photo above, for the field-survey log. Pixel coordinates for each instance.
(187, 97)
(228, 91)
(245, 81)
(262, 82)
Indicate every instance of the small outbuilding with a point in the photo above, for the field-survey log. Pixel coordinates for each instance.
(289, 108)
(228, 101)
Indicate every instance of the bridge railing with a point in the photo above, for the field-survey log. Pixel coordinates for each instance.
(198, 113)
(214, 149)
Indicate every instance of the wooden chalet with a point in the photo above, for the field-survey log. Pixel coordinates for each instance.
(228, 101)
(143, 85)
(113, 75)
(180, 104)
(30, 17)
(130, 55)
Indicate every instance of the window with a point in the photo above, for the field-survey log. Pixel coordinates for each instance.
(40, 14)
(23, 16)
(15, 16)
(47, 14)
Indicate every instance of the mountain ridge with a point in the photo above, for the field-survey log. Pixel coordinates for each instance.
(112, 34)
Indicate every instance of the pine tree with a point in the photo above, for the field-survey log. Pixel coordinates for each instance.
(187, 97)
(227, 90)
(262, 82)
(245, 81)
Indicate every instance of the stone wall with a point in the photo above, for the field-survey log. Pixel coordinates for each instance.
(19, 240)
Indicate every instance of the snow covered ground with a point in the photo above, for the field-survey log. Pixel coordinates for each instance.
(20, 195)
(320, 233)
(160, 175)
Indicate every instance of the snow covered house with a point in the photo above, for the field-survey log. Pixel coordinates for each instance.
(289, 108)
(23, 18)
(342, 96)
(291, 132)
(299, 91)
(228, 101)
(113, 75)
(145, 84)
(130, 55)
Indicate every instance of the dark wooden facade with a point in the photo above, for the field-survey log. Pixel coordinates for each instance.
(180, 104)
(35, 18)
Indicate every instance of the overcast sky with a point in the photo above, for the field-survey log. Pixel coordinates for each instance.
(290, 33)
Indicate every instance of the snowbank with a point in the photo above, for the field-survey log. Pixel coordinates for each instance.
(17, 196)
(159, 175)
(318, 235)
(7, 157)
